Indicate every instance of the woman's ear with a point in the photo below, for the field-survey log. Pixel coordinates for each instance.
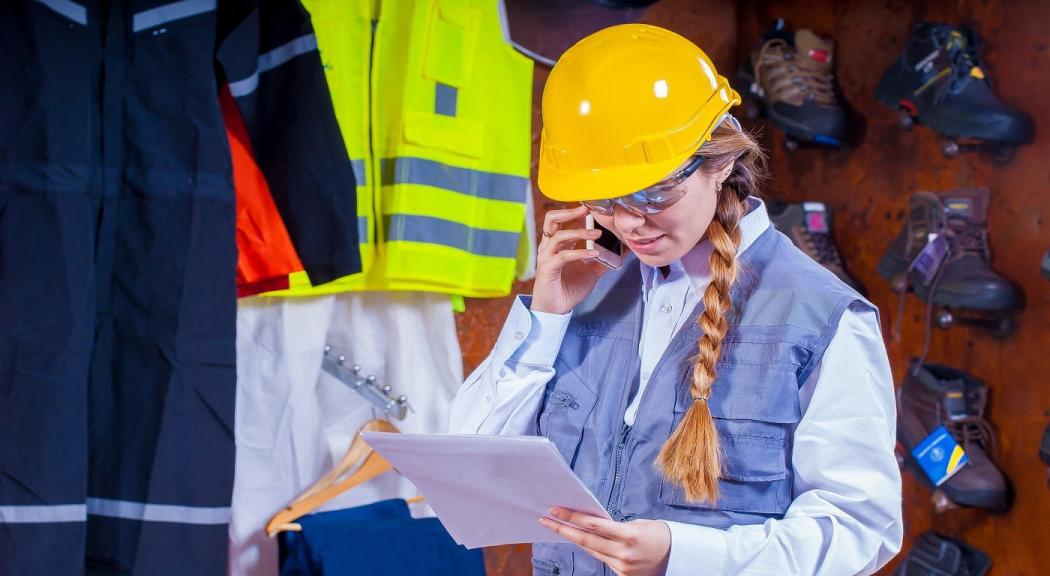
(724, 173)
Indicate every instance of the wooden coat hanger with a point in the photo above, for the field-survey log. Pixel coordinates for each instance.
(329, 486)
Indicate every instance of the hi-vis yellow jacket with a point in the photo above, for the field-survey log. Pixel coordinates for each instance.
(435, 107)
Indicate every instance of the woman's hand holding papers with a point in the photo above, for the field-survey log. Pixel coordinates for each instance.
(635, 548)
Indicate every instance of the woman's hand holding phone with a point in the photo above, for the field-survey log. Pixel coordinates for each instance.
(565, 274)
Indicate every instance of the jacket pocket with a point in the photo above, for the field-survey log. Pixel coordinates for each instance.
(567, 405)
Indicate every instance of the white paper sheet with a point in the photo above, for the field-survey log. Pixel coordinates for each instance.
(488, 490)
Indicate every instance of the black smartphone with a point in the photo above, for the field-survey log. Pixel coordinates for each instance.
(609, 247)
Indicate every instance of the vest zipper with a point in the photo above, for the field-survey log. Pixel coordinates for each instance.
(617, 475)
(614, 493)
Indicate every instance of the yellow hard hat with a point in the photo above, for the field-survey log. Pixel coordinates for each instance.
(623, 108)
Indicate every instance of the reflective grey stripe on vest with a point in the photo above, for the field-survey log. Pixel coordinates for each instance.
(272, 59)
(158, 512)
(170, 12)
(360, 173)
(406, 170)
(43, 514)
(362, 230)
(445, 97)
(406, 227)
(71, 10)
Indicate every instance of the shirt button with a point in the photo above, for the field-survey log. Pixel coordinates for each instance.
(645, 376)
(488, 398)
(518, 335)
(666, 308)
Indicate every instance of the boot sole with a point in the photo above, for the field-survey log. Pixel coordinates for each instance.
(896, 95)
(964, 301)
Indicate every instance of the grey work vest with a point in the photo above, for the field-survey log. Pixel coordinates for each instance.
(787, 309)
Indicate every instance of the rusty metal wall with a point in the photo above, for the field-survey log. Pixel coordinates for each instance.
(867, 188)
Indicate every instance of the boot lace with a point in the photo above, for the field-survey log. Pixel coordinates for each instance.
(822, 247)
(974, 430)
(803, 75)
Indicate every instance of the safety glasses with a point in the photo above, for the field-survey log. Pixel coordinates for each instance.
(651, 200)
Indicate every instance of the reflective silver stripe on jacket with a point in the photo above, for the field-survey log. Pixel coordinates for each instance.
(71, 10)
(158, 512)
(43, 514)
(170, 12)
(411, 228)
(272, 59)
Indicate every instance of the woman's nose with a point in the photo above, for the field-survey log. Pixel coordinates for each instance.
(625, 220)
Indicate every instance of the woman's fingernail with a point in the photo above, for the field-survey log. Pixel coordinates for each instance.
(556, 512)
(592, 252)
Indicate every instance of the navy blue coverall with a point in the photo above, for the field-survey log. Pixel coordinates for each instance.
(117, 265)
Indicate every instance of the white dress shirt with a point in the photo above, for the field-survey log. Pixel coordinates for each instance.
(845, 517)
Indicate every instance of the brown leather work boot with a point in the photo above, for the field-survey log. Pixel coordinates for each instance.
(933, 395)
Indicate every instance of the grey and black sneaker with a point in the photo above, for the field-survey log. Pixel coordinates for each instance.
(808, 225)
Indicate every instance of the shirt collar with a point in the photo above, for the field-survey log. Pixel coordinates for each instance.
(696, 263)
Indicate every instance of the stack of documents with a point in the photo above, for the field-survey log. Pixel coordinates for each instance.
(488, 490)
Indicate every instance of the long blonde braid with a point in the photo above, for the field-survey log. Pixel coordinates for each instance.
(691, 457)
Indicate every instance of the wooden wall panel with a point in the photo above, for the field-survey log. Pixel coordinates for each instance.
(867, 188)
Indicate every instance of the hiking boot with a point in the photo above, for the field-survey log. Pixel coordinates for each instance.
(964, 278)
(789, 76)
(937, 555)
(933, 395)
(939, 80)
(808, 225)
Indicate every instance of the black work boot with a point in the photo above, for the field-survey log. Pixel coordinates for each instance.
(933, 395)
(940, 79)
(808, 225)
(1044, 451)
(789, 76)
(964, 278)
(937, 555)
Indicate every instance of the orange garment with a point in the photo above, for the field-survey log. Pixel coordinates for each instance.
(265, 255)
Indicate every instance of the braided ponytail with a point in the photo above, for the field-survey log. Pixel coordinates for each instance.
(691, 457)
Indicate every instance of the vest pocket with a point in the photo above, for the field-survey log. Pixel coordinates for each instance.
(754, 471)
(567, 404)
(754, 417)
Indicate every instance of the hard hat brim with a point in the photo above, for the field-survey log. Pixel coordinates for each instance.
(604, 183)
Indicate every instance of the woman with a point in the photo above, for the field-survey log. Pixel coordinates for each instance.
(727, 398)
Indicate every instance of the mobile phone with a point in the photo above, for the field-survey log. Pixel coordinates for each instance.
(609, 247)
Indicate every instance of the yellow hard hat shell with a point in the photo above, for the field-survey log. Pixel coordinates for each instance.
(623, 108)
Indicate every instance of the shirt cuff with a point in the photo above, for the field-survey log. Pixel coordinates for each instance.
(530, 337)
(696, 550)
(545, 335)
